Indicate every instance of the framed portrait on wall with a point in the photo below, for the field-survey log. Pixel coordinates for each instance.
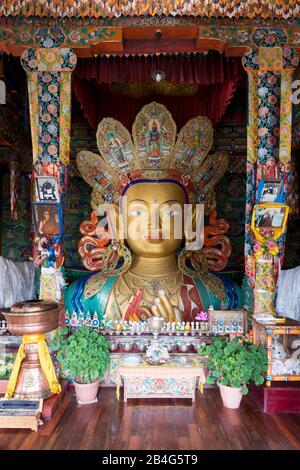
(270, 190)
(46, 189)
(271, 216)
(47, 218)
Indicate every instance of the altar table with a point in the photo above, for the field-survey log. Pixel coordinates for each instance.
(171, 380)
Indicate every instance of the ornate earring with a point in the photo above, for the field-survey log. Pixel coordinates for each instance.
(119, 259)
(101, 253)
(192, 263)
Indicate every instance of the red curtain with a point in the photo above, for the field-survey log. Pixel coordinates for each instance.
(217, 78)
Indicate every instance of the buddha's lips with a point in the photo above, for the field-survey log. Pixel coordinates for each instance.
(154, 237)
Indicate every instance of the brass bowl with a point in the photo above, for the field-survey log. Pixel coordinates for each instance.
(27, 318)
(155, 323)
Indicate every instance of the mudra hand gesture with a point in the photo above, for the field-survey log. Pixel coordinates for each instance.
(162, 307)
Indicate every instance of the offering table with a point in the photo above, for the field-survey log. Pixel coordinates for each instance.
(175, 379)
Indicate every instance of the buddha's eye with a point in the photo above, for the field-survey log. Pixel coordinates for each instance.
(170, 213)
(137, 213)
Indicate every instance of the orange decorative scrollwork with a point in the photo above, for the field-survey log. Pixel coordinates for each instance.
(92, 247)
(98, 251)
(217, 247)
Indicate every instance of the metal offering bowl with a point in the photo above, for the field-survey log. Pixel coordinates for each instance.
(155, 323)
(152, 362)
(32, 318)
(27, 318)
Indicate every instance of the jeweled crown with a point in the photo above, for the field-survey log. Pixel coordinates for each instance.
(152, 153)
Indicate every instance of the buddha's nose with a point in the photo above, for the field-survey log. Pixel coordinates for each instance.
(154, 222)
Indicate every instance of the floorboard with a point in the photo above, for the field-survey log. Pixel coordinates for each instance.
(158, 425)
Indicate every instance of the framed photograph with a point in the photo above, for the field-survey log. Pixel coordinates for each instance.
(46, 189)
(272, 216)
(270, 190)
(47, 218)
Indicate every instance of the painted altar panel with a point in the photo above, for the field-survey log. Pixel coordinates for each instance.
(159, 388)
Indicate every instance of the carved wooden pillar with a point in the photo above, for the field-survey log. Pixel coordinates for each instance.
(49, 69)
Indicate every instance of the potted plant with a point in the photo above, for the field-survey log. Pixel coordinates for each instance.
(85, 355)
(232, 365)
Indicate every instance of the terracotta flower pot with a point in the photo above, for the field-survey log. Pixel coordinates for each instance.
(231, 396)
(86, 393)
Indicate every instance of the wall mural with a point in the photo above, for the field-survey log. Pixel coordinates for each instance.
(16, 234)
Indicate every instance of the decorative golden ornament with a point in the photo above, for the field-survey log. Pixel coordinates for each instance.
(210, 202)
(152, 153)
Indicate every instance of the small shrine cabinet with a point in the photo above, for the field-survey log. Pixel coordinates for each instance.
(283, 348)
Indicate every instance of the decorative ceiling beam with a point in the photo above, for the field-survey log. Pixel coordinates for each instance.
(158, 33)
(92, 40)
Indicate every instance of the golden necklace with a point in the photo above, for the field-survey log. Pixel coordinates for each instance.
(171, 283)
(129, 284)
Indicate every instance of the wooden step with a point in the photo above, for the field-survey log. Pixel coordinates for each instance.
(281, 397)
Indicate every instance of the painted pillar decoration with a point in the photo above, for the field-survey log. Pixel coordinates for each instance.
(294, 200)
(49, 69)
(270, 67)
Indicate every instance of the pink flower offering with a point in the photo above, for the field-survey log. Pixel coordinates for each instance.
(257, 247)
(271, 245)
(201, 316)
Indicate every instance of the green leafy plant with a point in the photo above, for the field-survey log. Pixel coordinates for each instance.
(235, 362)
(84, 354)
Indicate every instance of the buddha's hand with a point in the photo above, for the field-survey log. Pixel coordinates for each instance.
(162, 307)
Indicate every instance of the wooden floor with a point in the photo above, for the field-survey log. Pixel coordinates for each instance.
(149, 425)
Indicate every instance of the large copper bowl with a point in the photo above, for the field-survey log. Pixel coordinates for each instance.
(27, 318)
(31, 318)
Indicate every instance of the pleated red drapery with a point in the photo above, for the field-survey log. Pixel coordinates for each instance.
(217, 78)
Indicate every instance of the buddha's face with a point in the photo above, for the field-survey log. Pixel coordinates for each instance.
(154, 216)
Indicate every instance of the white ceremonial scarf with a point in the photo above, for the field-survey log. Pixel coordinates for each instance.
(16, 282)
(288, 293)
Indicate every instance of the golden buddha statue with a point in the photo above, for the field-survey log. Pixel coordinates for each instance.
(148, 269)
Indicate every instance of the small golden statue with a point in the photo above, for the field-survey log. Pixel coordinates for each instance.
(149, 180)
